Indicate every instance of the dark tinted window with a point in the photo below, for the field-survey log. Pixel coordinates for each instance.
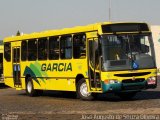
(125, 27)
(32, 50)
(42, 49)
(24, 50)
(16, 55)
(66, 47)
(79, 46)
(94, 53)
(7, 51)
(53, 48)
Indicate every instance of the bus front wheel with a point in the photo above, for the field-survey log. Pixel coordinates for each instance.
(82, 90)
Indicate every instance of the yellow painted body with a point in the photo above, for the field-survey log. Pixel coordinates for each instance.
(111, 75)
(55, 80)
(61, 80)
(1, 48)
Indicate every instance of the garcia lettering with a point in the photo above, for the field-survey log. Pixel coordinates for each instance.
(56, 67)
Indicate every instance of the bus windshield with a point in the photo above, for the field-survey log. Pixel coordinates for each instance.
(131, 51)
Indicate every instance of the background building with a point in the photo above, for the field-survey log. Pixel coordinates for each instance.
(156, 38)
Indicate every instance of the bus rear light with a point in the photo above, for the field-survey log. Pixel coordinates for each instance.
(151, 81)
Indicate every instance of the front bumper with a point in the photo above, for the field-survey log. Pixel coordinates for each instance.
(120, 87)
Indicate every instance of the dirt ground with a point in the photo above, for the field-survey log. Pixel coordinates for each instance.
(16, 105)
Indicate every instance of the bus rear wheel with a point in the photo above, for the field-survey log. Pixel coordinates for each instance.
(82, 90)
(30, 88)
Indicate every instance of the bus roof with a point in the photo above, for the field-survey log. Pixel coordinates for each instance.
(77, 29)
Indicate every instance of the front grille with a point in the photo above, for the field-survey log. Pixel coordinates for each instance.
(133, 81)
(132, 74)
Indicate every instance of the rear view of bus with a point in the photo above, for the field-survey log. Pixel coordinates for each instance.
(126, 59)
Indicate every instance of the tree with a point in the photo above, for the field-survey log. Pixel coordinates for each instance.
(18, 33)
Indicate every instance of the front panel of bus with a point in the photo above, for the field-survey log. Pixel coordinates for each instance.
(126, 58)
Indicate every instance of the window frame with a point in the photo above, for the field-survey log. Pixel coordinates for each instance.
(22, 50)
(56, 38)
(7, 55)
(85, 45)
(39, 51)
(65, 47)
(36, 57)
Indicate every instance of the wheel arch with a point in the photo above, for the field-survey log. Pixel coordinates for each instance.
(79, 77)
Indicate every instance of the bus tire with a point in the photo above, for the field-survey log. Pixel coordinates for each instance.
(82, 90)
(30, 88)
(126, 95)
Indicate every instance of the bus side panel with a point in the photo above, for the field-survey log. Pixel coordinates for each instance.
(66, 78)
(32, 69)
(54, 75)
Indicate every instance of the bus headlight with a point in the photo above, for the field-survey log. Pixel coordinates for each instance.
(151, 80)
(113, 81)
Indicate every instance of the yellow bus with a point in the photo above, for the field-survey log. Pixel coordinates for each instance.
(97, 58)
(1, 64)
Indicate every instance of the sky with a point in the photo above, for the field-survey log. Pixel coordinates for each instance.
(29, 16)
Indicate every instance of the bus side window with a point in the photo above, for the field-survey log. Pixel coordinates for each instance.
(7, 51)
(79, 46)
(42, 49)
(53, 48)
(24, 50)
(32, 50)
(66, 47)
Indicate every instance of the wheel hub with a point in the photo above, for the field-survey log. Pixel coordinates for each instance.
(84, 90)
(29, 87)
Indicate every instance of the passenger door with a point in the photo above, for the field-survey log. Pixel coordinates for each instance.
(16, 67)
(93, 67)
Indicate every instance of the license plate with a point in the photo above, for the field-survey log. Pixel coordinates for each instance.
(151, 82)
